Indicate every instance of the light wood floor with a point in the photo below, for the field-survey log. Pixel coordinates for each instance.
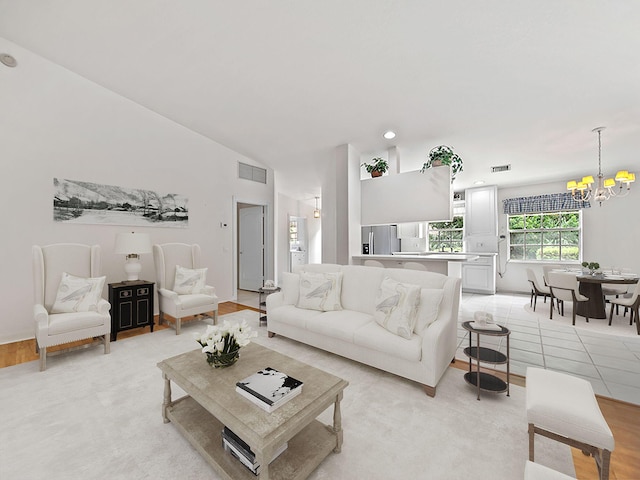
(623, 418)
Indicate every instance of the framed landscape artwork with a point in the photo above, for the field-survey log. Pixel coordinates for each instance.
(93, 203)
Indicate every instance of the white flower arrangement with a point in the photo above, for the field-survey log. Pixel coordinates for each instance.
(225, 338)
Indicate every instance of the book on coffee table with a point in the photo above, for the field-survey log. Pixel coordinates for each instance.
(269, 388)
(241, 450)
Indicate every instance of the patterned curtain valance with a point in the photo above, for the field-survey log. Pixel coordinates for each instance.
(554, 202)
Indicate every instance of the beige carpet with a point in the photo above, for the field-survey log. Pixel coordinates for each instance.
(95, 416)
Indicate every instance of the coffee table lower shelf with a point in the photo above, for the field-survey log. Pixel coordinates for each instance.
(305, 451)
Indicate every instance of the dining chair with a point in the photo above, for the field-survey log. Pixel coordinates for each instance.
(564, 286)
(632, 302)
(612, 289)
(414, 266)
(373, 263)
(537, 289)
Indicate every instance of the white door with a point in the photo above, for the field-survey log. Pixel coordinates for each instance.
(251, 252)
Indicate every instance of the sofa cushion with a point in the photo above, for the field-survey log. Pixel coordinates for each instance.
(320, 291)
(290, 284)
(292, 315)
(359, 287)
(340, 325)
(189, 280)
(77, 294)
(379, 339)
(430, 299)
(195, 300)
(396, 305)
(71, 322)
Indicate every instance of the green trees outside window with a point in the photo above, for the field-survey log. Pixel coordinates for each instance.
(553, 237)
(446, 236)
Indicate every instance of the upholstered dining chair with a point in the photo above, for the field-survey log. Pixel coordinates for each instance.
(537, 289)
(415, 266)
(564, 286)
(631, 302)
(68, 297)
(181, 283)
(373, 263)
(612, 289)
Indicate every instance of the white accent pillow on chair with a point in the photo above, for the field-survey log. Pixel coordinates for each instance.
(77, 294)
(189, 281)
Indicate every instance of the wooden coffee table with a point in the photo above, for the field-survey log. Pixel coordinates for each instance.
(212, 403)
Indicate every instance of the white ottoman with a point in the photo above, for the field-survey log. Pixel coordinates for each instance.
(564, 408)
(535, 471)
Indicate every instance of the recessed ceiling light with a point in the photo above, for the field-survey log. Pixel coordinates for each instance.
(479, 182)
(389, 135)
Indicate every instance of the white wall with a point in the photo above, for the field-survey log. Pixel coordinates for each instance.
(57, 124)
(611, 234)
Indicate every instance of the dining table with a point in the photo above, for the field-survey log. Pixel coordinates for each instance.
(591, 287)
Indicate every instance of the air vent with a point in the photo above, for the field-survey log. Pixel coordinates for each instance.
(249, 172)
(501, 168)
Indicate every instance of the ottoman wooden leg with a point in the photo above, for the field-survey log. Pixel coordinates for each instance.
(531, 440)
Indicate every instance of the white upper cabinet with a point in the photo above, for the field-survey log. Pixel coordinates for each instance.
(481, 211)
(412, 230)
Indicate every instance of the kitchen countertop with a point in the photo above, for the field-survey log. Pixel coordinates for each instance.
(426, 256)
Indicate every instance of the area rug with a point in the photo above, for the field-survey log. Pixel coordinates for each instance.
(96, 416)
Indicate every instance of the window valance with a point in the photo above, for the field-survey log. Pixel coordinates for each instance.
(554, 202)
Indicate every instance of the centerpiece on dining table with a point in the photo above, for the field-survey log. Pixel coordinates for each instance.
(592, 266)
(222, 343)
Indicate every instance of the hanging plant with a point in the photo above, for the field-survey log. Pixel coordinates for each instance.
(377, 166)
(444, 155)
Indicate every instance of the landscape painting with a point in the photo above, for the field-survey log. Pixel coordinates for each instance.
(93, 203)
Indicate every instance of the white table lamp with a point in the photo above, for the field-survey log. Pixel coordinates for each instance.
(133, 245)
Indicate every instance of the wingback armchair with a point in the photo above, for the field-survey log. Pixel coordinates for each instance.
(82, 318)
(192, 298)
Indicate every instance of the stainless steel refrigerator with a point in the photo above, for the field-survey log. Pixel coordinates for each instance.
(380, 240)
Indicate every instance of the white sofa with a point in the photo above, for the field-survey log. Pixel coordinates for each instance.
(353, 332)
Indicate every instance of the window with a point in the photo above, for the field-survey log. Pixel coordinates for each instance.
(446, 236)
(552, 237)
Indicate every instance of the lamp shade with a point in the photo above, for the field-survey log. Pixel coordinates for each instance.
(133, 243)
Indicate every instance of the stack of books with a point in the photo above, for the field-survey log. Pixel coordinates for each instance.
(241, 450)
(269, 388)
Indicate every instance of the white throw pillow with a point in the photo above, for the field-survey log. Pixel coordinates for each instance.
(396, 307)
(320, 291)
(290, 283)
(77, 294)
(188, 280)
(430, 299)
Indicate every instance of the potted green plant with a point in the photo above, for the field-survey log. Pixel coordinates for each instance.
(444, 155)
(377, 166)
(592, 266)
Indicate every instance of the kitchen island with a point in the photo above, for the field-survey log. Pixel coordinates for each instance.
(440, 262)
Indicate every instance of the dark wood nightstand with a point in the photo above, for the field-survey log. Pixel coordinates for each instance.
(131, 305)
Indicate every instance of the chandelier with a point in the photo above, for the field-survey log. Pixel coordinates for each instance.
(606, 187)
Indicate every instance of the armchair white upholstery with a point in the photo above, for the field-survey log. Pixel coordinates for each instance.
(49, 262)
(166, 257)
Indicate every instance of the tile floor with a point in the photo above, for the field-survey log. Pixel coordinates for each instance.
(610, 362)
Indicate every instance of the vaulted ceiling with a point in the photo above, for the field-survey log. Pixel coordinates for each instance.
(285, 82)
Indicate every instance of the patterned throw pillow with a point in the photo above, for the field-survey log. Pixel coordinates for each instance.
(188, 281)
(77, 294)
(320, 291)
(396, 307)
(430, 300)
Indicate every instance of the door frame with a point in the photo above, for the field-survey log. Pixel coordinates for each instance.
(267, 226)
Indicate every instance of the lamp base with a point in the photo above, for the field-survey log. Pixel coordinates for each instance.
(132, 268)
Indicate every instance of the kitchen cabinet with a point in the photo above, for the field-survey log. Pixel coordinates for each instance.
(479, 275)
(412, 230)
(481, 211)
